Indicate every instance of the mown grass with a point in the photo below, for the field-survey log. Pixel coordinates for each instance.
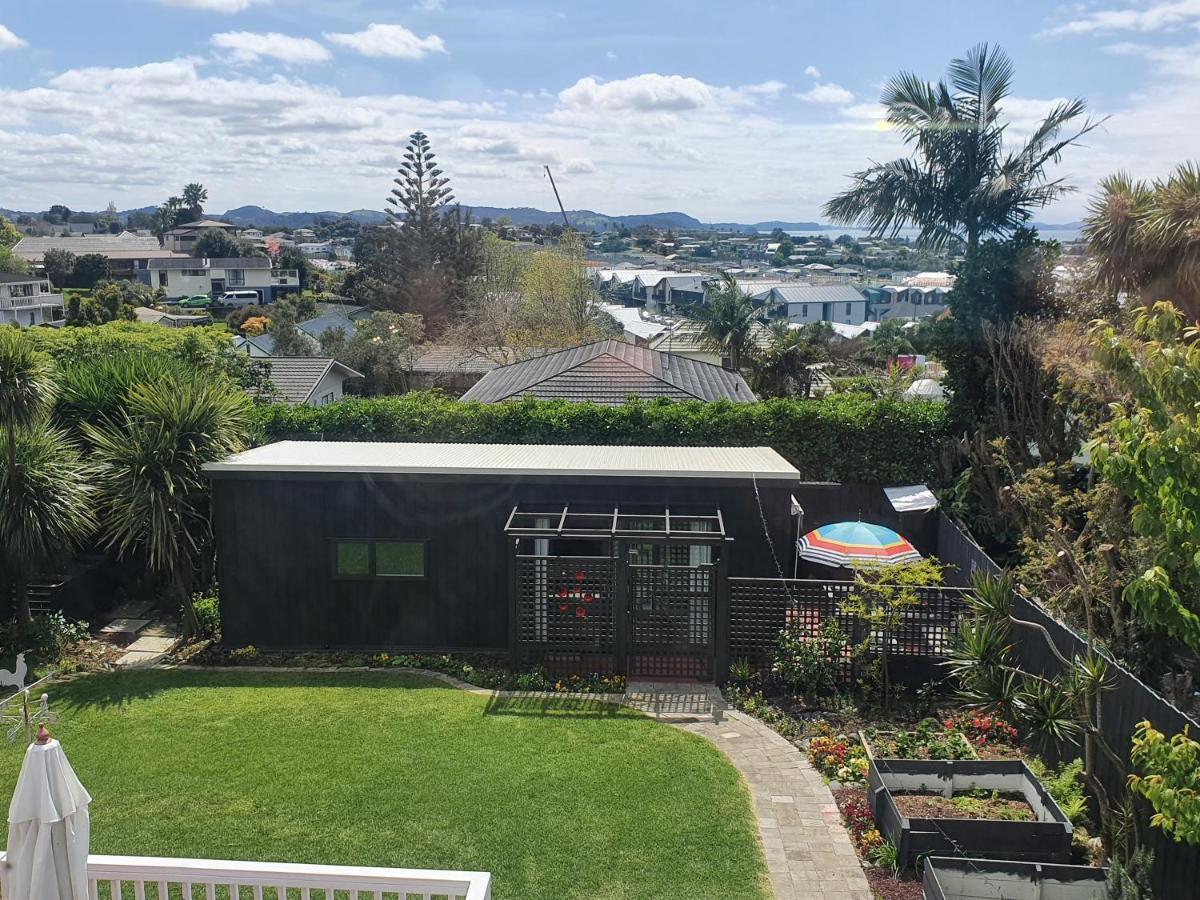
(558, 799)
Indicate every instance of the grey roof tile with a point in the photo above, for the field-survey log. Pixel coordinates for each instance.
(608, 372)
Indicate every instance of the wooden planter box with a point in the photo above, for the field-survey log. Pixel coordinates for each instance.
(971, 879)
(1046, 840)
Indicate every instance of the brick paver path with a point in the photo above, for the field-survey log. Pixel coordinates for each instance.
(808, 850)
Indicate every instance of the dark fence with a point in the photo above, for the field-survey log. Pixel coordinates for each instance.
(1176, 865)
(760, 607)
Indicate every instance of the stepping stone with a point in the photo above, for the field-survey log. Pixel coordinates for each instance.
(151, 644)
(124, 626)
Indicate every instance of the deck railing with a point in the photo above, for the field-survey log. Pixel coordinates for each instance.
(158, 878)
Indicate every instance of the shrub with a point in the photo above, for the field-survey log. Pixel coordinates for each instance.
(44, 642)
(807, 661)
(1065, 786)
(208, 615)
(847, 437)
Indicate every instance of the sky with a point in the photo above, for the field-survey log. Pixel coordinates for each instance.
(729, 111)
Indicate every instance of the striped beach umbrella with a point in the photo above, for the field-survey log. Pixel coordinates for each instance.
(854, 544)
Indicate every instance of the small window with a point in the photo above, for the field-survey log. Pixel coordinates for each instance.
(354, 558)
(162, 279)
(848, 308)
(400, 559)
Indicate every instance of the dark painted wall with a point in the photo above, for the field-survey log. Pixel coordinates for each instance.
(275, 533)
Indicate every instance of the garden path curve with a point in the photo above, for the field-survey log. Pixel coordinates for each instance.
(808, 850)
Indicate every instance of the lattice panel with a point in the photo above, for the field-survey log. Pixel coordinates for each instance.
(671, 621)
(565, 613)
(761, 607)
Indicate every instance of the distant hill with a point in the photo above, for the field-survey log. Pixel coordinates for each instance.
(246, 216)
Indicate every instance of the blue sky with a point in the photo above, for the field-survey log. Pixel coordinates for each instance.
(729, 111)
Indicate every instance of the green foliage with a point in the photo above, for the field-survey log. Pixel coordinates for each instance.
(806, 661)
(1167, 773)
(881, 599)
(43, 641)
(88, 271)
(962, 182)
(885, 856)
(384, 349)
(727, 319)
(110, 301)
(208, 616)
(1064, 785)
(1130, 881)
(1148, 449)
(841, 438)
(27, 378)
(59, 264)
(218, 243)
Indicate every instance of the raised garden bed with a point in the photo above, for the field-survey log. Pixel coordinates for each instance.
(971, 879)
(972, 805)
(919, 743)
(1044, 838)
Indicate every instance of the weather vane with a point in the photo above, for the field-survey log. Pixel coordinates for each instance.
(15, 711)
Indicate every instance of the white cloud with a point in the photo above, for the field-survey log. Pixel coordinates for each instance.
(247, 46)
(1155, 17)
(217, 6)
(866, 112)
(393, 41)
(430, 5)
(826, 93)
(1171, 61)
(610, 55)
(812, 71)
(9, 41)
(652, 92)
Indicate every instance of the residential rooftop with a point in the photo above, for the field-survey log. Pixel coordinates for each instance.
(509, 459)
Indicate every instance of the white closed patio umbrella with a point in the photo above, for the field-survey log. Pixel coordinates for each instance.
(48, 827)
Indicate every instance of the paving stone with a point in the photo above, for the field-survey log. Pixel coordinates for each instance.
(124, 626)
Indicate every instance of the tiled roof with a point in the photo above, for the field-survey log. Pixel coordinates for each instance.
(608, 372)
(296, 377)
(130, 246)
(317, 326)
(443, 358)
(13, 278)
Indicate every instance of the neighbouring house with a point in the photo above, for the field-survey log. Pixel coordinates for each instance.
(330, 321)
(185, 276)
(608, 373)
(661, 291)
(686, 339)
(28, 300)
(182, 238)
(805, 303)
(308, 380)
(450, 368)
(170, 320)
(315, 248)
(332, 316)
(636, 330)
(258, 346)
(128, 254)
(906, 301)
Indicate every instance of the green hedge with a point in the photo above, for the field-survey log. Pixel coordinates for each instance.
(845, 437)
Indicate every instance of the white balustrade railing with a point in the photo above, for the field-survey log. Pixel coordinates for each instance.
(159, 878)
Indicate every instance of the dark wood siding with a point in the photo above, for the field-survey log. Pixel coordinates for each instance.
(275, 534)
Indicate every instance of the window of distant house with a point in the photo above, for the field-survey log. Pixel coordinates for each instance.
(804, 310)
(379, 559)
(326, 398)
(849, 306)
(162, 279)
(21, 290)
(235, 276)
(193, 273)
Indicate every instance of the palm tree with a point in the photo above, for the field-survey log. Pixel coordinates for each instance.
(195, 195)
(43, 494)
(153, 494)
(1143, 237)
(961, 183)
(783, 367)
(727, 319)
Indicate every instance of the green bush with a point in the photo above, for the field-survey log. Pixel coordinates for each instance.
(806, 660)
(848, 437)
(43, 643)
(208, 614)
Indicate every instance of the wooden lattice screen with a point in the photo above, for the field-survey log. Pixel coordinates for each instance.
(759, 608)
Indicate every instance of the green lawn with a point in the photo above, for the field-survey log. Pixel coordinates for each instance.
(573, 801)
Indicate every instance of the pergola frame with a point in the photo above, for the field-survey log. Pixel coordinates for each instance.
(522, 523)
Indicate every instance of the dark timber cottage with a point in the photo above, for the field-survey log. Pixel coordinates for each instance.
(578, 558)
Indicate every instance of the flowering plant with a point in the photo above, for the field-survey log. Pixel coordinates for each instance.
(837, 757)
(984, 728)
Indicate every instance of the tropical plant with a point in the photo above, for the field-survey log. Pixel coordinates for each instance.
(727, 319)
(962, 183)
(153, 495)
(1053, 711)
(195, 195)
(784, 367)
(882, 597)
(1142, 237)
(43, 486)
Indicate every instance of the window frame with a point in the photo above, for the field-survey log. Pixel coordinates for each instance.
(372, 565)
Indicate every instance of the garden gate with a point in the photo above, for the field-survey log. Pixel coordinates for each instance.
(617, 592)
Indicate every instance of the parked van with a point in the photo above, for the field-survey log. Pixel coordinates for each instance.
(240, 298)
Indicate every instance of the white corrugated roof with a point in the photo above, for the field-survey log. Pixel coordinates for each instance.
(510, 459)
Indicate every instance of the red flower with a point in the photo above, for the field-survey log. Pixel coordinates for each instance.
(562, 592)
(579, 575)
(562, 607)
(588, 598)
(580, 612)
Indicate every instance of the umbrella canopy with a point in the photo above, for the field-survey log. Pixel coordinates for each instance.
(48, 828)
(854, 544)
